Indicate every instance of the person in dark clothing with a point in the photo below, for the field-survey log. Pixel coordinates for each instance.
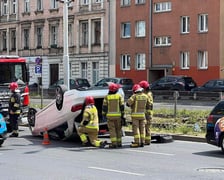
(14, 108)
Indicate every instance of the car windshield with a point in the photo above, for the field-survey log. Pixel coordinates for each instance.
(219, 109)
(126, 82)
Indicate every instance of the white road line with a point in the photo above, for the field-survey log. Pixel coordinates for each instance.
(148, 152)
(117, 171)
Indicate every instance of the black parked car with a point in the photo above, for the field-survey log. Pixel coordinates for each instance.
(172, 82)
(215, 85)
(215, 126)
(74, 84)
(126, 84)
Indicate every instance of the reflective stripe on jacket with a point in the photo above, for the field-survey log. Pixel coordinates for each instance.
(112, 105)
(91, 115)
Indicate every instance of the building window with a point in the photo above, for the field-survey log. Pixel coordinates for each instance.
(125, 2)
(162, 7)
(84, 70)
(185, 24)
(4, 40)
(4, 7)
(139, 1)
(70, 35)
(140, 29)
(162, 41)
(126, 30)
(202, 59)
(97, 1)
(140, 61)
(95, 73)
(203, 22)
(184, 60)
(53, 36)
(13, 40)
(26, 6)
(39, 37)
(84, 2)
(26, 38)
(125, 62)
(54, 4)
(13, 9)
(84, 34)
(97, 32)
(39, 5)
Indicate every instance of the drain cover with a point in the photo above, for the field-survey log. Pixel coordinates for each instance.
(211, 170)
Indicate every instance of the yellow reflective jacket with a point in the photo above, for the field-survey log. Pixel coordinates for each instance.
(90, 115)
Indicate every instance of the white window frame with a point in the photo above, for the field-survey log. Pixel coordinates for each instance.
(140, 29)
(13, 39)
(140, 62)
(4, 7)
(126, 30)
(54, 4)
(26, 38)
(162, 7)
(39, 36)
(185, 24)
(184, 60)
(84, 69)
(39, 5)
(125, 2)
(125, 62)
(95, 72)
(84, 33)
(203, 23)
(162, 41)
(26, 6)
(84, 2)
(139, 1)
(54, 35)
(13, 7)
(202, 59)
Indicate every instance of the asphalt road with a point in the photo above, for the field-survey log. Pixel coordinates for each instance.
(25, 158)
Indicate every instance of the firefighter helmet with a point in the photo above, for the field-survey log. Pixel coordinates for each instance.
(144, 84)
(136, 88)
(113, 87)
(13, 86)
(89, 100)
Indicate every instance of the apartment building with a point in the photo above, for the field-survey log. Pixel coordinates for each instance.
(161, 37)
(34, 28)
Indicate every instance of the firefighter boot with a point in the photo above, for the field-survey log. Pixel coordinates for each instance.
(14, 134)
(134, 145)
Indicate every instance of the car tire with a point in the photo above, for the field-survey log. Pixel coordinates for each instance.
(162, 138)
(31, 117)
(222, 142)
(60, 90)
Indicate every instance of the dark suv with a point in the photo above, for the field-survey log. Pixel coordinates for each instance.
(126, 84)
(172, 82)
(215, 126)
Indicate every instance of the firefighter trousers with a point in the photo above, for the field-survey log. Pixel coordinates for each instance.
(148, 129)
(114, 125)
(138, 127)
(92, 133)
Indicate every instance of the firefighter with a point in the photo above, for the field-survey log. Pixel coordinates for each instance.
(149, 114)
(14, 108)
(90, 124)
(139, 104)
(113, 110)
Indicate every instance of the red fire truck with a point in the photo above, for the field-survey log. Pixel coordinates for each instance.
(13, 69)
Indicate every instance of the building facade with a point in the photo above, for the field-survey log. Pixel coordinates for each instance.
(170, 37)
(34, 28)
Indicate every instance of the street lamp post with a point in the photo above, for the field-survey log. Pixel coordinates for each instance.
(66, 52)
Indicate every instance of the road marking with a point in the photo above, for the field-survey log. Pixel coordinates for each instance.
(117, 171)
(148, 152)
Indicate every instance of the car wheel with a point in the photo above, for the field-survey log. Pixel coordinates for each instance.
(31, 117)
(222, 142)
(60, 90)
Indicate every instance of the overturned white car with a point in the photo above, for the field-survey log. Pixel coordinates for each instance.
(62, 116)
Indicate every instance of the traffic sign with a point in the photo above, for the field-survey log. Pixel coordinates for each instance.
(38, 69)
